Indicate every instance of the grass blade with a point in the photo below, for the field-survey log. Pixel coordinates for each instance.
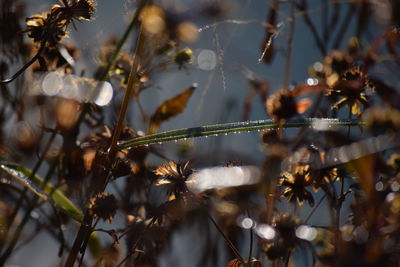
(234, 127)
(48, 192)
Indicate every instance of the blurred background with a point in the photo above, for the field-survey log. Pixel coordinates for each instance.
(227, 60)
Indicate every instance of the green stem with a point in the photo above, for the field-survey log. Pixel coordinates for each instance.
(290, 45)
(235, 127)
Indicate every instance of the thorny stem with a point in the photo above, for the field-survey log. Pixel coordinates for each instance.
(290, 45)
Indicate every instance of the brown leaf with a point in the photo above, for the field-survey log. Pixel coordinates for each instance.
(303, 104)
(234, 263)
(170, 108)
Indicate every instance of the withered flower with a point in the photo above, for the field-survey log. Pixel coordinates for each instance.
(77, 9)
(285, 226)
(351, 88)
(336, 63)
(41, 28)
(174, 175)
(51, 26)
(296, 183)
(103, 206)
(275, 250)
(281, 106)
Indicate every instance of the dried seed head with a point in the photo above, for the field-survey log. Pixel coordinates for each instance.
(103, 206)
(281, 106)
(295, 183)
(286, 225)
(51, 26)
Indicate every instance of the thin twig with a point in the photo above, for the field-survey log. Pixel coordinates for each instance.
(227, 240)
(27, 65)
(290, 45)
(314, 209)
(132, 83)
(303, 8)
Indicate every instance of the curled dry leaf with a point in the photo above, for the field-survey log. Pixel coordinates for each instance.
(170, 108)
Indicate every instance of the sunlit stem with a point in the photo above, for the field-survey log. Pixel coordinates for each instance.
(132, 84)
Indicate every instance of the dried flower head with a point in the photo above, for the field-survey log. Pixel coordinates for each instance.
(174, 175)
(275, 250)
(286, 225)
(103, 206)
(352, 87)
(281, 106)
(40, 29)
(296, 183)
(51, 26)
(336, 63)
(77, 9)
